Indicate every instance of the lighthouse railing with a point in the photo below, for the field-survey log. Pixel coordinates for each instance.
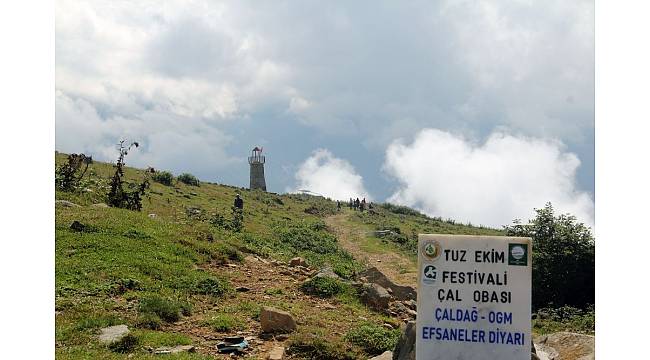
(256, 159)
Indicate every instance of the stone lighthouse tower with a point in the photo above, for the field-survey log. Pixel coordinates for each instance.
(256, 160)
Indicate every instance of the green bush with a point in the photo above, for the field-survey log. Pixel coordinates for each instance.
(323, 286)
(188, 179)
(398, 209)
(167, 310)
(373, 339)
(563, 259)
(163, 177)
(125, 345)
(148, 321)
(211, 286)
(302, 237)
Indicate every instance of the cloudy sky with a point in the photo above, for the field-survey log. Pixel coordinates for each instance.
(475, 110)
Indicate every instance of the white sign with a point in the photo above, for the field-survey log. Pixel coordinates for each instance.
(474, 297)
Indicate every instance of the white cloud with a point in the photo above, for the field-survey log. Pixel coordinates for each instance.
(491, 183)
(329, 176)
(168, 142)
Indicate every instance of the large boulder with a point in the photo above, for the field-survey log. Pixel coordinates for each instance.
(400, 292)
(405, 348)
(375, 296)
(113, 334)
(274, 320)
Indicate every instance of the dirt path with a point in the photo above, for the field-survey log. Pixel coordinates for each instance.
(396, 266)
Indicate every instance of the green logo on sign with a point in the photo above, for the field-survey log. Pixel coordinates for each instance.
(518, 254)
(431, 249)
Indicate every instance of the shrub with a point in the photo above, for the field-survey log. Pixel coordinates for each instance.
(317, 348)
(125, 345)
(211, 286)
(302, 237)
(237, 220)
(188, 179)
(373, 339)
(164, 177)
(401, 210)
(117, 196)
(323, 286)
(225, 323)
(68, 175)
(148, 321)
(563, 259)
(565, 318)
(167, 310)
(186, 308)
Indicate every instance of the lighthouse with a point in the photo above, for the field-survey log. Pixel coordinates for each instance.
(256, 160)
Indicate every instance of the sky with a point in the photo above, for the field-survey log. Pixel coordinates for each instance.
(478, 111)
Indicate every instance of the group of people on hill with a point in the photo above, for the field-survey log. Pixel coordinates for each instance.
(357, 204)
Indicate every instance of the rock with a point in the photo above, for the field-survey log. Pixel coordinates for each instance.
(534, 356)
(400, 292)
(326, 272)
(281, 337)
(112, 334)
(99, 205)
(65, 203)
(413, 313)
(273, 320)
(411, 304)
(387, 355)
(298, 261)
(277, 353)
(399, 307)
(266, 336)
(152, 216)
(562, 345)
(405, 348)
(387, 326)
(174, 350)
(242, 289)
(375, 296)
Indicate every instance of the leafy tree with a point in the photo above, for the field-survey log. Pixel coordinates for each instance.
(563, 258)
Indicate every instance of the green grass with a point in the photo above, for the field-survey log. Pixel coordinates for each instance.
(373, 339)
(225, 323)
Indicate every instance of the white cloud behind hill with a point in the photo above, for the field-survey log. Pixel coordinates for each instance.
(325, 174)
(491, 183)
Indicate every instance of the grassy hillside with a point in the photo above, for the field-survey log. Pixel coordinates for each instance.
(145, 270)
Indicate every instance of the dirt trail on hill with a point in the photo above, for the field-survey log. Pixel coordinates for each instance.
(397, 267)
